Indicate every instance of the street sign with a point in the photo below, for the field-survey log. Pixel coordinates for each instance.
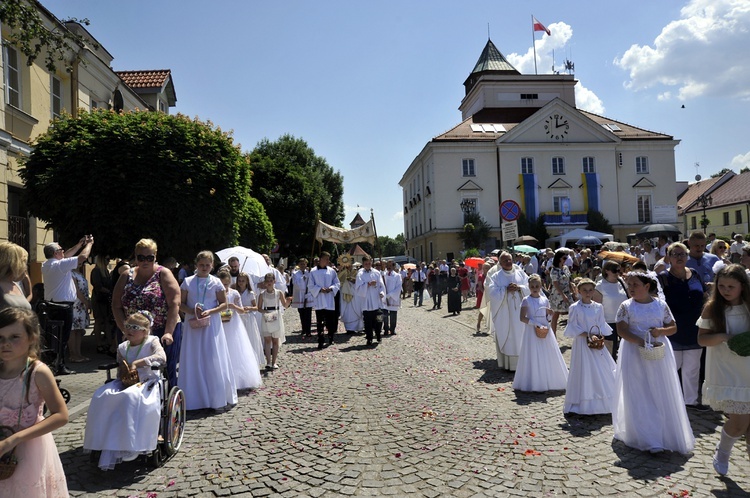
(510, 210)
(510, 231)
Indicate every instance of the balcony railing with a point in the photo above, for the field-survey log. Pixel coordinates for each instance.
(574, 218)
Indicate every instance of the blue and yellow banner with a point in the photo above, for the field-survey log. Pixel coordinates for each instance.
(590, 191)
(529, 197)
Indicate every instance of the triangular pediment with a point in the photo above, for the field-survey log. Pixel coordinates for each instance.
(560, 183)
(557, 122)
(469, 186)
(644, 183)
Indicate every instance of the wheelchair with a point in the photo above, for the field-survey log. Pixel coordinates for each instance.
(171, 421)
(51, 331)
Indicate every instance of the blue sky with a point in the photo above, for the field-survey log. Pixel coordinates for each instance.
(367, 85)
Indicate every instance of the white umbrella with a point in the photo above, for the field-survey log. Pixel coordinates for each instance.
(251, 262)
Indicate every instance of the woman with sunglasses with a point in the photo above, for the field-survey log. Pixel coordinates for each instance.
(610, 292)
(153, 288)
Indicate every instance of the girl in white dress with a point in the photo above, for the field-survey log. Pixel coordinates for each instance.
(241, 354)
(271, 304)
(727, 384)
(541, 366)
(136, 409)
(206, 373)
(250, 316)
(591, 382)
(648, 412)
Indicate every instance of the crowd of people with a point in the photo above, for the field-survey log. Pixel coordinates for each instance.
(664, 312)
(646, 330)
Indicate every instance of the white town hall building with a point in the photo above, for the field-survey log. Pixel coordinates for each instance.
(522, 138)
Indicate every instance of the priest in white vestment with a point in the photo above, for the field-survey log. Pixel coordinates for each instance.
(506, 288)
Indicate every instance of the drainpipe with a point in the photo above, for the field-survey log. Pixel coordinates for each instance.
(499, 188)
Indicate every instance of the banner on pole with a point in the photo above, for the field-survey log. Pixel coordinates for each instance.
(364, 233)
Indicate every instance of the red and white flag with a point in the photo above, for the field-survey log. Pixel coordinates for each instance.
(539, 26)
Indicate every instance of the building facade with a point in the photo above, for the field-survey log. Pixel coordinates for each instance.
(725, 202)
(34, 96)
(522, 138)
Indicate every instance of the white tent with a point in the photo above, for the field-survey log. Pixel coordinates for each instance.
(576, 234)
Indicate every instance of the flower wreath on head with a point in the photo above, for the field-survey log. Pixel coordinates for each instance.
(148, 315)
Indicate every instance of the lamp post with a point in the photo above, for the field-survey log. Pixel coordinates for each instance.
(704, 201)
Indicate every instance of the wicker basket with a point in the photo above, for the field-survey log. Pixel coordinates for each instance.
(541, 331)
(199, 323)
(226, 315)
(595, 340)
(654, 352)
(8, 461)
(129, 377)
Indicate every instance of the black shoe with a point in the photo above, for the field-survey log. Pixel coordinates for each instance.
(393, 333)
(699, 407)
(369, 342)
(63, 370)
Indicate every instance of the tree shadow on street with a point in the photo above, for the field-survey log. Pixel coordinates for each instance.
(492, 373)
(527, 398)
(645, 465)
(585, 425)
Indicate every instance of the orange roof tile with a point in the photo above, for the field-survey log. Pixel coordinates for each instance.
(152, 78)
(735, 191)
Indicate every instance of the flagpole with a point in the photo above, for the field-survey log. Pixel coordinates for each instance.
(312, 249)
(375, 230)
(533, 42)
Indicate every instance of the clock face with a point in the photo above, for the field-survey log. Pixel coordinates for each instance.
(556, 126)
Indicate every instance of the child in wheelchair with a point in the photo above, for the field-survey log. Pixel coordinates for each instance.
(124, 416)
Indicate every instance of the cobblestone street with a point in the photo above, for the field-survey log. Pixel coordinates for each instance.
(425, 413)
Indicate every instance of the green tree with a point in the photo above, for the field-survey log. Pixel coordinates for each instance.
(30, 35)
(598, 223)
(475, 231)
(297, 188)
(123, 176)
(257, 231)
(536, 229)
(722, 172)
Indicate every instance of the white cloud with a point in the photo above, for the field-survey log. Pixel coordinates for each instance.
(398, 215)
(740, 161)
(702, 53)
(561, 34)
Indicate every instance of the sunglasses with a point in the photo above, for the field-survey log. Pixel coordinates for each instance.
(132, 326)
(141, 258)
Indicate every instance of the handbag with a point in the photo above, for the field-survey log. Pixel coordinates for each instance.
(8, 462)
(271, 318)
(199, 323)
(195, 322)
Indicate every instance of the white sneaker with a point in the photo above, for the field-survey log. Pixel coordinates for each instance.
(721, 462)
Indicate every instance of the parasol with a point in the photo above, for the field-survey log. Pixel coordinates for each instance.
(618, 256)
(474, 262)
(657, 230)
(588, 240)
(409, 266)
(251, 262)
(525, 249)
(526, 239)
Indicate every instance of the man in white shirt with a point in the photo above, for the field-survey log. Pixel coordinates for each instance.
(418, 278)
(60, 290)
(323, 286)
(301, 298)
(370, 289)
(735, 250)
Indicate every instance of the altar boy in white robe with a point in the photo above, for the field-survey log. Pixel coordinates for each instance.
(392, 301)
(323, 286)
(506, 288)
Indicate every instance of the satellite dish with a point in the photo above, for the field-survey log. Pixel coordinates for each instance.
(697, 178)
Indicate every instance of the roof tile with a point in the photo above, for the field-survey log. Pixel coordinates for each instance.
(152, 78)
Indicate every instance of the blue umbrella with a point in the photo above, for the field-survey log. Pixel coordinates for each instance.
(588, 240)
